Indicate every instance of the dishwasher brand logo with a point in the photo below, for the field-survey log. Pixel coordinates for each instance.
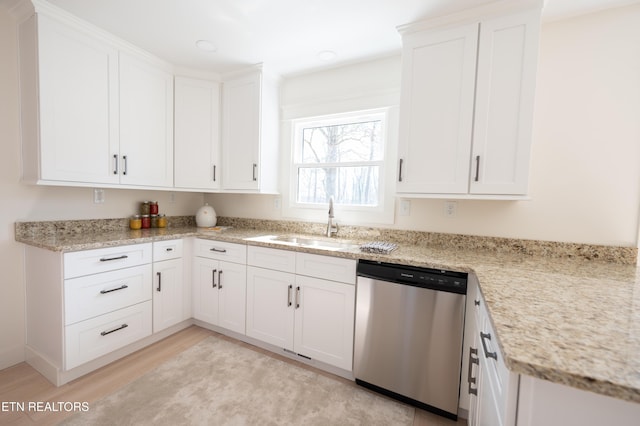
(402, 274)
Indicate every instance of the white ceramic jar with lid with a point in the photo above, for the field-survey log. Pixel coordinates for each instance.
(206, 216)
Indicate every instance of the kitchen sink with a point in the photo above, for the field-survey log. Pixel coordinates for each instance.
(319, 243)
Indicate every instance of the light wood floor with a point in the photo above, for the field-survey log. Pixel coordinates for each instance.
(21, 383)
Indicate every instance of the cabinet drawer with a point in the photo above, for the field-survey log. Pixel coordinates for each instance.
(89, 262)
(269, 258)
(326, 267)
(94, 295)
(165, 250)
(98, 336)
(221, 250)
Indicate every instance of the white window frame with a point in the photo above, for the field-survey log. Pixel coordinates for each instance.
(383, 213)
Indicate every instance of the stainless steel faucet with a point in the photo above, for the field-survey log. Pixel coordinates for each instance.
(332, 227)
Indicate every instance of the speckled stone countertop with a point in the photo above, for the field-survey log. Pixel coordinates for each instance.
(566, 313)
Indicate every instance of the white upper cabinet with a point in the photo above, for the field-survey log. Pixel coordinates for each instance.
(438, 80)
(94, 110)
(197, 134)
(146, 123)
(250, 133)
(467, 104)
(505, 92)
(69, 105)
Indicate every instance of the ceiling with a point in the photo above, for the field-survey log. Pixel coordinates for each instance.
(286, 35)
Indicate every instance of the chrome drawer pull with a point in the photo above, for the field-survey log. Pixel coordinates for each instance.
(159, 281)
(108, 259)
(123, 326)
(122, 287)
(488, 354)
(297, 297)
(169, 249)
(213, 278)
(220, 279)
(289, 295)
(470, 379)
(218, 250)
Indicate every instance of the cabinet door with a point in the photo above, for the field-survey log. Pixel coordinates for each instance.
(232, 302)
(146, 123)
(241, 132)
(507, 62)
(205, 290)
(197, 134)
(270, 306)
(78, 101)
(438, 78)
(167, 294)
(324, 321)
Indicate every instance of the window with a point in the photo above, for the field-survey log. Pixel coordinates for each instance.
(340, 156)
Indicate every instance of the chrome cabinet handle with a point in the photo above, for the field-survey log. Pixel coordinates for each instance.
(169, 249)
(255, 166)
(214, 172)
(220, 279)
(115, 161)
(213, 278)
(123, 326)
(124, 157)
(488, 354)
(109, 259)
(470, 379)
(400, 170)
(289, 295)
(297, 297)
(159, 281)
(477, 168)
(122, 287)
(218, 250)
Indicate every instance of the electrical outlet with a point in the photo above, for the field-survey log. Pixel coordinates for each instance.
(172, 197)
(450, 208)
(277, 203)
(98, 195)
(405, 207)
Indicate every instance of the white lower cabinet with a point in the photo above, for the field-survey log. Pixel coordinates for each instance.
(308, 314)
(83, 305)
(491, 389)
(168, 285)
(220, 286)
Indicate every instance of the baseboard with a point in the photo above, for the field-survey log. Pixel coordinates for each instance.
(42, 365)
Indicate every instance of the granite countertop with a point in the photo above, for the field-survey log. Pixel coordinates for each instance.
(569, 321)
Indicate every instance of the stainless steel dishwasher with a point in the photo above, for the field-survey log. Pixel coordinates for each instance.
(408, 334)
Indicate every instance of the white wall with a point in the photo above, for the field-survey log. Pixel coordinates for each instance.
(25, 202)
(585, 174)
